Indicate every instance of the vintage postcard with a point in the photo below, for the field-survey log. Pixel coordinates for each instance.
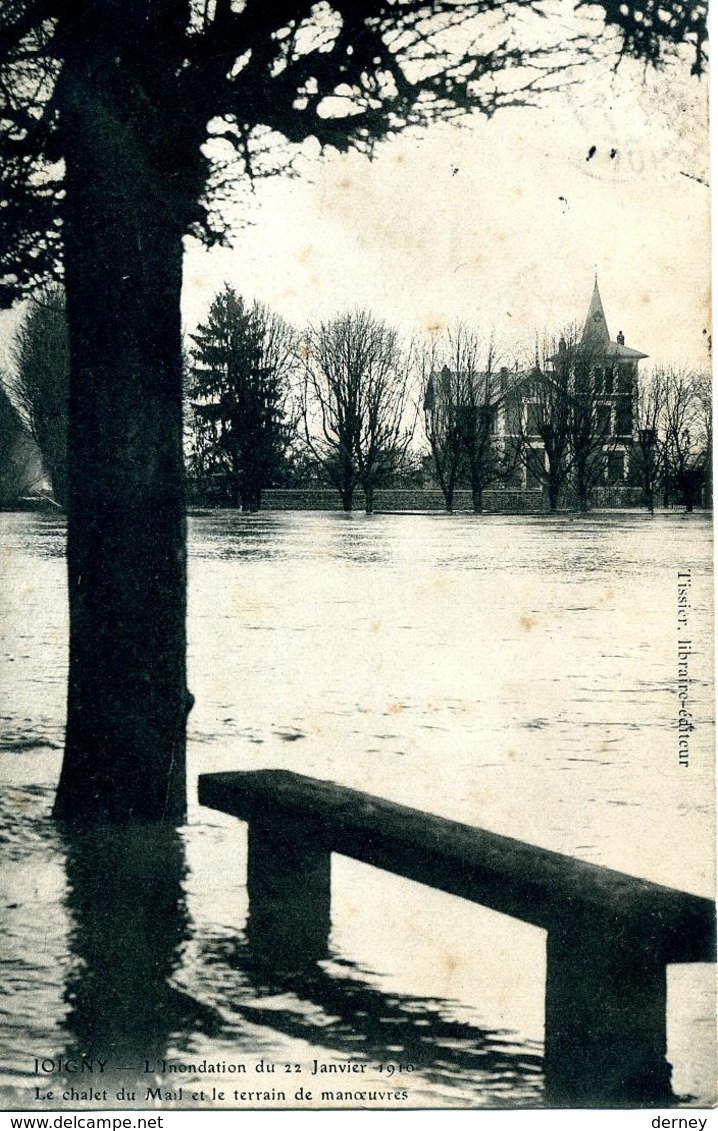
(443, 396)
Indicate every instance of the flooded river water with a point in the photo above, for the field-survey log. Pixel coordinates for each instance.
(515, 673)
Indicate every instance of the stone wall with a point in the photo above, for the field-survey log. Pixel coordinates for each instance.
(617, 498)
(302, 499)
(514, 502)
(420, 500)
(429, 500)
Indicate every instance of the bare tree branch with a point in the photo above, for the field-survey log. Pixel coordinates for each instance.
(357, 409)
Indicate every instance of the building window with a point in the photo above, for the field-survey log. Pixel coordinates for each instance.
(615, 469)
(489, 417)
(534, 418)
(603, 379)
(603, 419)
(625, 380)
(624, 416)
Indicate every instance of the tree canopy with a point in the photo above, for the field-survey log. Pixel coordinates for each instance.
(243, 75)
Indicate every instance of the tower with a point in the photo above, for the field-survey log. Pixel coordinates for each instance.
(615, 383)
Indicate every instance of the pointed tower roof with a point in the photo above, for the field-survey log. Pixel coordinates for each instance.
(596, 332)
(596, 327)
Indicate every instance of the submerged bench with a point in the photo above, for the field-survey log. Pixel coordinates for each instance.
(610, 936)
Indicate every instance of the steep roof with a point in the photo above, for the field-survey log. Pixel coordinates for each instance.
(595, 331)
(615, 349)
(596, 326)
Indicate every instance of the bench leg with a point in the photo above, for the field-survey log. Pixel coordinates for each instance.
(288, 881)
(605, 1041)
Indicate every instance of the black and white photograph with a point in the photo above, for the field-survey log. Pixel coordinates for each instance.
(357, 702)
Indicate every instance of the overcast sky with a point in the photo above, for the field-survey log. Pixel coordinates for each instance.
(501, 223)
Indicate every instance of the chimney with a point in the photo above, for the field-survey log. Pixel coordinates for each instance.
(620, 338)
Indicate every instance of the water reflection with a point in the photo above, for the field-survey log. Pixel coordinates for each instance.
(129, 924)
(357, 538)
(39, 534)
(230, 535)
(332, 1004)
(285, 536)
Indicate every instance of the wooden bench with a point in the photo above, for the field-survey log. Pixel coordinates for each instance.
(610, 936)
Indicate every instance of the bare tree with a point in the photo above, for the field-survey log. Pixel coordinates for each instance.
(463, 394)
(486, 394)
(685, 405)
(593, 419)
(39, 381)
(704, 430)
(539, 421)
(646, 451)
(443, 428)
(356, 405)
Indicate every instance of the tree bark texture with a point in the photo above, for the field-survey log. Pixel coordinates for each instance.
(126, 550)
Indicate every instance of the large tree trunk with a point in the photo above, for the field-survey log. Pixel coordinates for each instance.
(127, 697)
(347, 488)
(553, 484)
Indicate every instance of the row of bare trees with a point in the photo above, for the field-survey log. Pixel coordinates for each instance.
(675, 436)
(579, 418)
(574, 409)
(339, 405)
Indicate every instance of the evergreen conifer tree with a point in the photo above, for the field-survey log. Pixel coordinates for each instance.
(239, 385)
